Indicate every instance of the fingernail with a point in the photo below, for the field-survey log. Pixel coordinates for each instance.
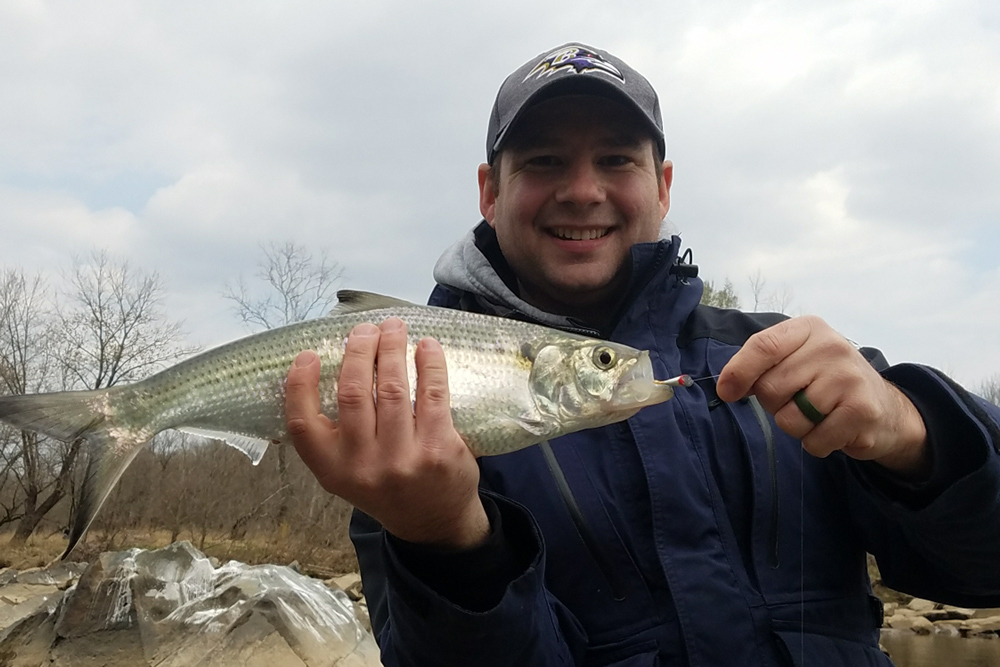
(305, 358)
(365, 329)
(392, 325)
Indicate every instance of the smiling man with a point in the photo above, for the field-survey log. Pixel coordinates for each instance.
(727, 526)
(583, 180)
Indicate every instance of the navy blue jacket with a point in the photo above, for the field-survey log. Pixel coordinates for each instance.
(696, 533)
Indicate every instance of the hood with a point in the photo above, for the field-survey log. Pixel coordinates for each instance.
(475, 265)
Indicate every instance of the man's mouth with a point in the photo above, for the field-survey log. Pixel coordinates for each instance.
(576, 234)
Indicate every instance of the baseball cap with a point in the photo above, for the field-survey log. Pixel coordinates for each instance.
(571, 69)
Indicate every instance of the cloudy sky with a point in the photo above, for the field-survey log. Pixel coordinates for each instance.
(846, 152)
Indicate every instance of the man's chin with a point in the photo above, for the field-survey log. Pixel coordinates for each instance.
(582, 293)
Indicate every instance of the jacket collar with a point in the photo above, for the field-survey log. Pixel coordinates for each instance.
(475, 266)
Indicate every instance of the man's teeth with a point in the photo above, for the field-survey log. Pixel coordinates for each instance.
(573, 234)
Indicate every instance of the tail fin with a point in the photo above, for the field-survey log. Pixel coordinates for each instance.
(88, 415)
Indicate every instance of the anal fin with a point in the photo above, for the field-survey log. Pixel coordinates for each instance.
(254, 448)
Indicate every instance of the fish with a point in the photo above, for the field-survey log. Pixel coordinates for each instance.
(513, 384)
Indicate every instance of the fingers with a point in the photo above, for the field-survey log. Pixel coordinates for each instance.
(433, 408)
(394, 419)
(309, 429)
(355, 404)
(762, 352)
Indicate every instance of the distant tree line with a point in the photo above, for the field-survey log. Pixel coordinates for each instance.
(207, 492)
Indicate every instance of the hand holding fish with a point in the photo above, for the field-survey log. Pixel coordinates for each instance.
(404, 465)
(823, 392)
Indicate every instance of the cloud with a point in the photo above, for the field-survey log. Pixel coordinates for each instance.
(847, 151)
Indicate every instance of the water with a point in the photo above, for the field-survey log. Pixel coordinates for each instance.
(912, 650)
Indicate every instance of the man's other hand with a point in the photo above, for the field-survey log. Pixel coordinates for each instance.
(866, 416)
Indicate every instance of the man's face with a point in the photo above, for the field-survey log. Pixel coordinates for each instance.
(578, 186)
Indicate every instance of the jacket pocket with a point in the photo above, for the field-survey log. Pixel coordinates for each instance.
(813, 649)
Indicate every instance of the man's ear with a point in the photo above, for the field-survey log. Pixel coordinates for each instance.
(487, 193)
(665, 182)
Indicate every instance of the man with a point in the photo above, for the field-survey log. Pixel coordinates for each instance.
(695, 533)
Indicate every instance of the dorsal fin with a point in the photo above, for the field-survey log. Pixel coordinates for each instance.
(354, 301)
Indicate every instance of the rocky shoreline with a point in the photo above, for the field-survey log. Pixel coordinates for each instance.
(175, 606)
(925, 617)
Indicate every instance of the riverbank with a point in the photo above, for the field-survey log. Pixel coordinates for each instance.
(925, 617)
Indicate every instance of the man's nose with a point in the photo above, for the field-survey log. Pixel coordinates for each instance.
(581, 185)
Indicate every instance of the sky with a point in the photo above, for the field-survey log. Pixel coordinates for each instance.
(846, 153)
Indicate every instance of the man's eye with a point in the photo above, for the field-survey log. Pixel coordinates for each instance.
(615, 160)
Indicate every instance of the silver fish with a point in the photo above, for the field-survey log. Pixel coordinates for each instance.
(513, 385)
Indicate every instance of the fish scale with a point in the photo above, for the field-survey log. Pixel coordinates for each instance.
(512, 384)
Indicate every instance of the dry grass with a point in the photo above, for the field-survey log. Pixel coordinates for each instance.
(38, 552)
(313, 559)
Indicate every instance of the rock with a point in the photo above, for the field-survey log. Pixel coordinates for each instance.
(918, 624)
(962, 612)
(948, 614)
(349, 583)
(61, 575)
(27, 605)
(16, 593)
(922, 626)
(920, 606)
(252, 640)
(947, 629)
(171, 607)
(102, 599)
(7, 575)
(361, 612)
(985, 613)
(26, 643)
(294, 565)
(979, 626)
(103, 648)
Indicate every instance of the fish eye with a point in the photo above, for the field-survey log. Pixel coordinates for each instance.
(604, 357)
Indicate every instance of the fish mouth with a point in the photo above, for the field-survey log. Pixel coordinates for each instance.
(638, 386)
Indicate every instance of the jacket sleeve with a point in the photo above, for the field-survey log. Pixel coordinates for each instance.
(488, 606)
(939, 539)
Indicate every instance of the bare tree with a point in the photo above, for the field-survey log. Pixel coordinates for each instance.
(39, 478)
(296, 285)
(108, 327)
(990, 389)
(779, 300)
(757, 283)
(114, 329)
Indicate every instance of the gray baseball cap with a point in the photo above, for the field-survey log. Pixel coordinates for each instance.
(571, 69)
